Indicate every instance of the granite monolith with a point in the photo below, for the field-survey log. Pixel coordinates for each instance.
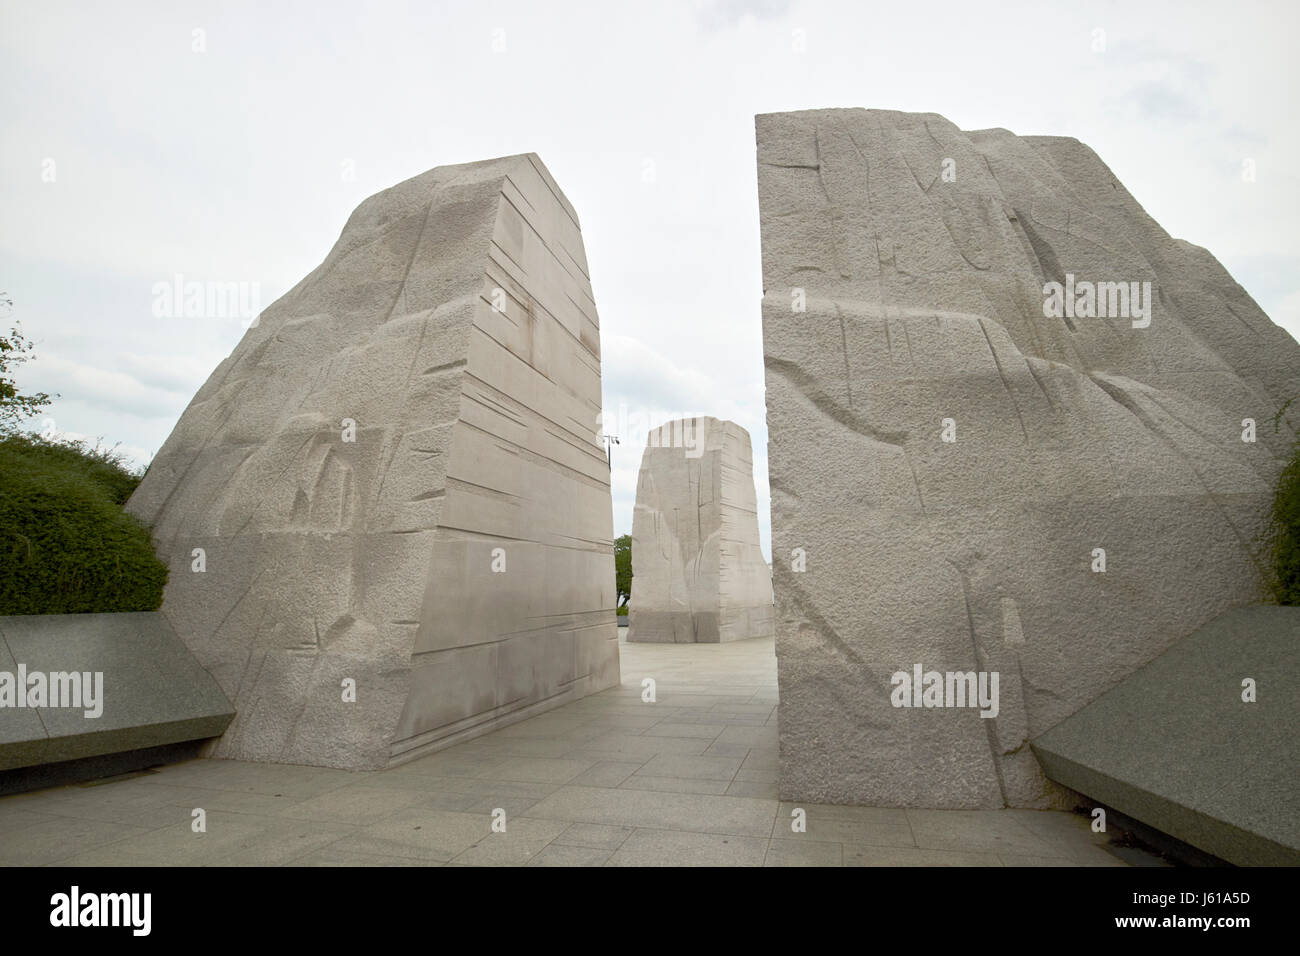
(387, 513)
(1015, 428)
(698, 573)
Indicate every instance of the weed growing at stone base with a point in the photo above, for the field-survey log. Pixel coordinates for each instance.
(1285, 533)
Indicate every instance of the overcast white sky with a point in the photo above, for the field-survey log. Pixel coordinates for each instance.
(228, 165)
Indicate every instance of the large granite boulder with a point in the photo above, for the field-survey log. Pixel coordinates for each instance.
(698, 574)
(952, 448)
(396, 481)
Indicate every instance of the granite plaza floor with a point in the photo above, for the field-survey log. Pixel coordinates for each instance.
(608, 780)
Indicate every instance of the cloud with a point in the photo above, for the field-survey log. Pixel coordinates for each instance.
(721, 14)
(181, 374)
(644, 388)
(163, 167)
(120, 391)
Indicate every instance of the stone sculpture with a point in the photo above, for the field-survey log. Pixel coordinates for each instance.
(1015, 428)
(387, 513)
(698, 574)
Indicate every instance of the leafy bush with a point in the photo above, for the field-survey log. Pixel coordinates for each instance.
(66, 545)
(622, 571)
(104, 466)
(1284, 533)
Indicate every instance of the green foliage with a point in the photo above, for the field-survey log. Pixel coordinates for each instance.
(1284, 533)
(623, 571)
(105, 467)
(15, 349)
(66, 545)
(621, 610)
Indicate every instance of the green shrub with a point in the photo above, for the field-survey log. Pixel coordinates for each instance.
(622, 570)
(1284, 533)
(621, 611)
(66, 545)
(103, 466)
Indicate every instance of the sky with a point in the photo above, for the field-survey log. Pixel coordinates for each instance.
(229, 142)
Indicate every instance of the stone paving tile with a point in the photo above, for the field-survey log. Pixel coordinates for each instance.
(420, 834)
(691, 702)
(761, 760)
(761, 736)
(434, 792)
(230, 801)
(561, 855)
(834, 811)
(637, 745)
(720, 748)
(1015, 859)
(14, 818)
(642, 808)
(536, 769)
(978, 830)
(690, 779)
(867, 834)
(734, 709)
(871, 826)
(751, 788)
(247, 777)
(522, 840)
(357, 805)
(855, 855)
(556, 746)
(243, 838)
(281, 845)
(679, 728)
(514, 804)
(691, 767)
(446, 763)
(472, 794)
(149, 808)
(480, 789)
(797, 852)
(331, 856)
(674, 784)
(648, 847)
(606, 773)
(55, 839)
(551, 724)
(1070, 833)
(594, 835)
(435, 799)
(638, 723)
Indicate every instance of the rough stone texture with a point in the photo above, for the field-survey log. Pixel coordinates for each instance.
(1176, 747)
(453, 322)
(698, 574)
(154, 692)
(925, 301)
